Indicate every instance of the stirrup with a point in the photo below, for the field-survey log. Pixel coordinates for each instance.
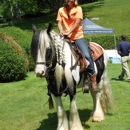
(86, 87)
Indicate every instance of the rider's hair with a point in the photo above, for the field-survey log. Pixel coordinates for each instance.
(67, 7)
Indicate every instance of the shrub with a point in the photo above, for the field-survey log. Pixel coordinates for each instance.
(23, 39)
(13, 62)
(106, 41)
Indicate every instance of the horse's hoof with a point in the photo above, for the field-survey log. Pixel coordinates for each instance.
(97, 118)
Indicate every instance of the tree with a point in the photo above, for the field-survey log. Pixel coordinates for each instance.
(33, 7)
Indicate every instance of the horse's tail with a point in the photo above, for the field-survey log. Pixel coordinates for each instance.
(106, 95)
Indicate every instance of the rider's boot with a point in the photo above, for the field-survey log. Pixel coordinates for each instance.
(93, 82)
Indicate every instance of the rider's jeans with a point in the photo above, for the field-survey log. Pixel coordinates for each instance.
(83, 46)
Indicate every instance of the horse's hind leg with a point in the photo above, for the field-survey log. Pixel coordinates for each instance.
(103, 99)
(74, 123)
(97, 112)
(61, 114)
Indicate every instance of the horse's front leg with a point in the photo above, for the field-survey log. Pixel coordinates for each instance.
(75, 123)
(61, 114)
(97, 112)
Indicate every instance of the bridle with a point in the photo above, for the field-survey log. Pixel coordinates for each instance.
(44, 63)
(48, 64)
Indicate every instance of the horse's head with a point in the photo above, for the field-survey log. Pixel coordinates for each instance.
(41, 48)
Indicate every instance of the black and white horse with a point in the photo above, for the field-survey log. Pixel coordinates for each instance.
(54, 60)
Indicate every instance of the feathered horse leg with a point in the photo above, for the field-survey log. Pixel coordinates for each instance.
(61, 114)
(102, 99)
(74, 122)
(97, 112)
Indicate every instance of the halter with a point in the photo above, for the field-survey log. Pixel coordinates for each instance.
(49, 64)
(44, 63)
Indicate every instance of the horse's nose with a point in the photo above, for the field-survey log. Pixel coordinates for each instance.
(39, 73)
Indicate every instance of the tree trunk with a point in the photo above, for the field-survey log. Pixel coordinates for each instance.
(11, 11)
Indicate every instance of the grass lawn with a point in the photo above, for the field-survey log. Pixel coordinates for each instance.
(22, 105)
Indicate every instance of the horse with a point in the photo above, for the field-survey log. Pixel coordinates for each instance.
(55, 61)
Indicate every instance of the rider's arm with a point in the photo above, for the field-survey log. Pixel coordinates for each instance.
(76, 24)
(60, 25)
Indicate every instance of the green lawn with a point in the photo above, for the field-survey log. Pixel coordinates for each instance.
(22, 105)
(112, 14)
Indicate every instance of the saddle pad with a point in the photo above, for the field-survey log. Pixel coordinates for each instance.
(96, 50)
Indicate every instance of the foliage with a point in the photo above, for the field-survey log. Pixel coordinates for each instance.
(33, 7)
(106, 41)
(22, 38)
(14, 64)
(18, 35)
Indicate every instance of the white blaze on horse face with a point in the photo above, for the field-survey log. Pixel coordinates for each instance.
(41, 68)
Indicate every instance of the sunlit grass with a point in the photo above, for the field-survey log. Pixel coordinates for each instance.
(112, 14)
(22, 105)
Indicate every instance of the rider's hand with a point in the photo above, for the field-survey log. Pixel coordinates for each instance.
(62, 33)
(65, 33)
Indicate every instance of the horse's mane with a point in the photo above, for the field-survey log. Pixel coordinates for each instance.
(63, 53)
(34, 44)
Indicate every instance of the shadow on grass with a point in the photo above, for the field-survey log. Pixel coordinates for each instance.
(51, 122)
(116, 79)
(41, 22)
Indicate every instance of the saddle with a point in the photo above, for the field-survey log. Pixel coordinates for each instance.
(95, 52)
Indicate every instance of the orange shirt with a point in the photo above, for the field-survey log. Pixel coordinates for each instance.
(75, 12)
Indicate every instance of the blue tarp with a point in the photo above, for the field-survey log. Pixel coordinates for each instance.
(90, 27)
(115, 60)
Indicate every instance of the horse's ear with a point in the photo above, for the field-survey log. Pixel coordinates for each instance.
(50, 27)
(34, 28)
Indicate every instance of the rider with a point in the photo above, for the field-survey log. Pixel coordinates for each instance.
(70, 18)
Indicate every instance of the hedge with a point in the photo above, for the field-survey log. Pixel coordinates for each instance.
(23, 39)
(13, 62)
(106, 41)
